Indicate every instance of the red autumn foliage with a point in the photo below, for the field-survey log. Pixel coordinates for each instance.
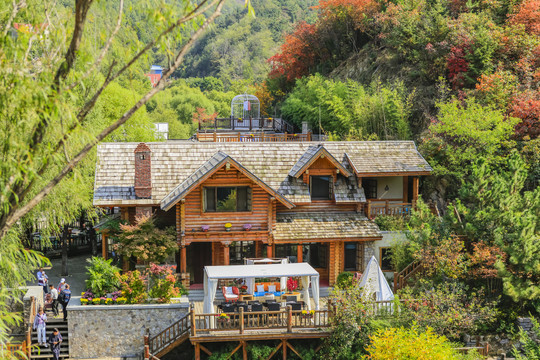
(482, 260)
(202, 117)
(528, 14)
(458, 65)
(296, 54)
(526, 106)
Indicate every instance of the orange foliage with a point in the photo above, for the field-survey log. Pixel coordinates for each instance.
(265, 97)
(359, 11)
(482, 260)
(528, 14)
(296, 54)
(200, 116)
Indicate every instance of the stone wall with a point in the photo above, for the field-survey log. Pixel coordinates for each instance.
(116, 331)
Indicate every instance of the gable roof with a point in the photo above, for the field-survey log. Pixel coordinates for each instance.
(309, 157)
(174, 161)
(216, 162)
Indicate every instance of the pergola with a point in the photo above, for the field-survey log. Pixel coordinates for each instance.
(249, 272)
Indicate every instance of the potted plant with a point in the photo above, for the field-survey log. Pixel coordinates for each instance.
(96, 301)
(84, 301)
(308, 314)
(121, 300)
(228, 226)
(247, 227)
(223, 318)
(205, 228)
(240, 120)
(243, 289)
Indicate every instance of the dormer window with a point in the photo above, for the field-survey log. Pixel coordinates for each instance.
(321, 187)
(223, 199)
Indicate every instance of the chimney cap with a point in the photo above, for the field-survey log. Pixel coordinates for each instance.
(142, 147)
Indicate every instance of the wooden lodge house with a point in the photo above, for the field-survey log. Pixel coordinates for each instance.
(309, 201)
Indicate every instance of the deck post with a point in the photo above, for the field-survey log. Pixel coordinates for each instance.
(368, 209)
(239, 138)
(244, 351)
(215, 136)
(146, 352)
(416, 185)
(250, 124)
(192, 318)
(387, 207)
(289, 318)
(269, 250)
(197, 351)
(104, 245)
(284, 347)
(226, 254)
(241, 310)
(299, 253)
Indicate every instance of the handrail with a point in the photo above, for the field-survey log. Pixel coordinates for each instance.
(400, 279)
(255, 137)
(31, 317)
(156, 344)
(376, 207)
(257, 320)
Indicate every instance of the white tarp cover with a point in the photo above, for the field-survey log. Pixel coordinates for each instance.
(213, 273)
(250, 282)
(374, 282)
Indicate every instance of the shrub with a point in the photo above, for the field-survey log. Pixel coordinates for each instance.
(530, 347)
(162, 283)
(449, 309)
(133, 285)
(102, 276)
(411, 343)
(345, 280)
(391, 223)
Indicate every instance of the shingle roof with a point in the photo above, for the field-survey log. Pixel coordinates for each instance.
(309, 156)
(324, 225)
(174, 161)
(208, 168)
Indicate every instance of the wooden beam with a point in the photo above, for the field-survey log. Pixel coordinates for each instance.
(274, 351)
(197, 351)
(183, 259)
(235, 350)
(284, 349)
(226, 255)
(244, 351)
(299, 253)
(208, 352)
(294, 351)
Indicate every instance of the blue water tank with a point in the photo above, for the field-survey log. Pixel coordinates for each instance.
(156, 69)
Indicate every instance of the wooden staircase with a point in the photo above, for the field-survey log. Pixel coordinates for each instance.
(402, 278)
(165, 341)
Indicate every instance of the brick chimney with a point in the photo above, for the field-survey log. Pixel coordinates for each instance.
(143, 172)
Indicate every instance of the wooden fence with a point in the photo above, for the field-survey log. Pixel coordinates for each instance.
(255, 137)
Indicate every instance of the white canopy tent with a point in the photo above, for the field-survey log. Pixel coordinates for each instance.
(250, 282)
(373, 281)
(213, 273)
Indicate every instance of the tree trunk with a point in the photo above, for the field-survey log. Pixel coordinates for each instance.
(93, 240)
(65, 234)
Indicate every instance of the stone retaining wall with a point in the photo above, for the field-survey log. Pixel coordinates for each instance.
(116, 331)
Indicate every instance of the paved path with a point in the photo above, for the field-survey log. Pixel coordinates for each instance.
(76, 270)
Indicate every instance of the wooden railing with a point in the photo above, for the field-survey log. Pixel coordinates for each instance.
(31, 317)
(255, 137)
(276, 124)
(167, 339)
(18, 351)
(401, 278)
(375, 208)
(257, 320)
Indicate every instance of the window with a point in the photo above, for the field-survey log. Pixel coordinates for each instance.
(350, 257)
(386, 260)
(240, 250)
(315, 254)
(321, 187)
(370, 188)
(287, 251)
(227, 199)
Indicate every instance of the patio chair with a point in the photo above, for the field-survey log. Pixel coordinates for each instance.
(295, 306)
(256, 307)
(273, 306)
(230, 293)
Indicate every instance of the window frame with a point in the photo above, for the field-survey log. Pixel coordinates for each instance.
(204, 206)
(330, 187)
(373, 187)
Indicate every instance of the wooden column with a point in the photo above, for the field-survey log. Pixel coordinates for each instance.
(415, 186)
(269, 251)
(226, 254)
(405, 189)
(299, 253)
(183, 259)
(104, 245)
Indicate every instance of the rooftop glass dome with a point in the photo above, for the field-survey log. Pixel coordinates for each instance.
(245, 106)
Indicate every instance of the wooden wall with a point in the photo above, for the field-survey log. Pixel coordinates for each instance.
(258, 217)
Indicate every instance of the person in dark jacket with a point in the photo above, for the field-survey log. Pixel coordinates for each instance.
(63, 298)
(55, 339)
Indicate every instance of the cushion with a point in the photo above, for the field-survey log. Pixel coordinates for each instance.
(272, 288)
(228, 290)
(260, 288)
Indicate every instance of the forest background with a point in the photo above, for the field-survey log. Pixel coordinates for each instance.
(460, 77)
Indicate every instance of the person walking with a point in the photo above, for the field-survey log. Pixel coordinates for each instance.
(55, 339)
(54, 294)
(63, 298)
(40, 323)
(61, 285)
(43, 279)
